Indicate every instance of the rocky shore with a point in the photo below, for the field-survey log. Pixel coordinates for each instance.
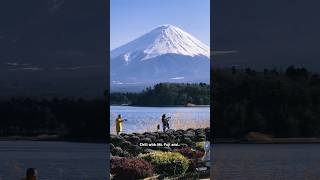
(130, 145)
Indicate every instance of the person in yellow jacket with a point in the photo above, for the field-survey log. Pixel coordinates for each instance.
(119, 122)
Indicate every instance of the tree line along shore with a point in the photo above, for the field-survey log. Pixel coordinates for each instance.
(53, 119)
(165, 94)
(274, 103)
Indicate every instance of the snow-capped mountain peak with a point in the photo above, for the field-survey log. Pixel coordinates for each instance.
(164, 39)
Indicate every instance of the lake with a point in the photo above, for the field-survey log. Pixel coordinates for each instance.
(266, 161)
(54, 160)
(142, 119)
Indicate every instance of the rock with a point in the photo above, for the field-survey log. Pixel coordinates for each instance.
(153, 138)
(125, 154)
(179, 137)
(180, 131)
(117, 140)
(187, 141)
(135, 150)
(126, 137)
(166, 148)
(123, 134)
(200, 136)
(111, 147)
(146, 140)
(134, 139)
(189, 136)
(200, 131)
(160, 133)
(141, 136)
(164, 137)
(172, 139)
(148, 150)
(147, 133)
(117, 151)
(126, 145)
(190, 129)
(156, 134)
(170, 131)
(177, 141)
(192, 133)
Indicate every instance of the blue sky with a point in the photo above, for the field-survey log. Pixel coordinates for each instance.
(131, 18)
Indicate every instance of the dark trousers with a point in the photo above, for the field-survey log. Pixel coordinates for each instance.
(164, 126)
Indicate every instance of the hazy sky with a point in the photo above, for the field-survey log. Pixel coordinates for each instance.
(131, 18)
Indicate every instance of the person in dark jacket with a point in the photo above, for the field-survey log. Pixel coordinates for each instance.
(165, 122)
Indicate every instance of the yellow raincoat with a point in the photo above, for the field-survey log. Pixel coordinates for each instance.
(119, 122)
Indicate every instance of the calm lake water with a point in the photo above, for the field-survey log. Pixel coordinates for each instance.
(266, 162)
(142, 119)
(54, 160)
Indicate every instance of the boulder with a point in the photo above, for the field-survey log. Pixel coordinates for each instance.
(116, 140)
(166, 148)
(146, 140)
(125, 154)
(117, 151)
(187, 141)
(147, 151)
(134, 139)
(135, 150)
(170, 131)
(126, 145)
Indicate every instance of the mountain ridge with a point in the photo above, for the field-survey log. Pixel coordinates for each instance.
(161, 40)
(164, 54)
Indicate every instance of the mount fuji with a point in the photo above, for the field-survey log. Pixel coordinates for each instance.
(165, 54)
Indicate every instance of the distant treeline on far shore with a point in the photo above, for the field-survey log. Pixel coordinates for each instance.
(63, 117)
(165, 94)
(281, 103)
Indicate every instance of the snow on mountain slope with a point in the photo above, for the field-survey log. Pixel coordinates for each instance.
(165, 54)
(165, 39)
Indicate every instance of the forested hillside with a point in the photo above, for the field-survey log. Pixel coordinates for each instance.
(283, 103)
(166, 94)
